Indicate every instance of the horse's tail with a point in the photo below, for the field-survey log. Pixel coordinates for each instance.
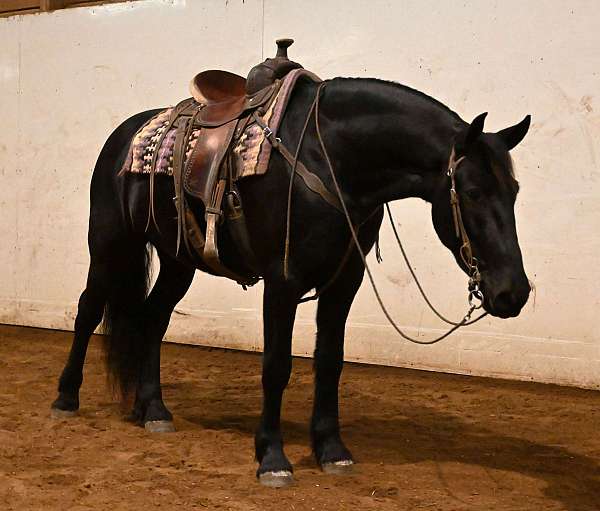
(123, 323)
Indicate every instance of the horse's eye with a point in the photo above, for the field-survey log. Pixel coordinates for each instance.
(473, 193)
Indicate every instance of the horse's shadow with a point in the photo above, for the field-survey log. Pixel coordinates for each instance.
(572, 479)
(408, 435)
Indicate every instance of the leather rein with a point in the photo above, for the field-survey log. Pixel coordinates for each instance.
(475, 295)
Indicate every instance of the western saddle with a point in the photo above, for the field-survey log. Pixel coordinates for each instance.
(223, 104)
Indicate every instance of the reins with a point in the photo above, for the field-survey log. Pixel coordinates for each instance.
(418, 283)
(465, 250)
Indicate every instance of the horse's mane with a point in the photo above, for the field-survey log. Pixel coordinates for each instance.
(405, 89)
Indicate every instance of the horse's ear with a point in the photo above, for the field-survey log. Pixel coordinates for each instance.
(475, 129)
(513, 135)
(471, 134)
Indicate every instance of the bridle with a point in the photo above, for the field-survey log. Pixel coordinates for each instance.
(466, 249)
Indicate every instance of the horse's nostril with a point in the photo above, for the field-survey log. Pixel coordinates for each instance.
(509, 303)
(504, 301)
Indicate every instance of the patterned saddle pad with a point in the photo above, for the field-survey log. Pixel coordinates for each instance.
(145, 144)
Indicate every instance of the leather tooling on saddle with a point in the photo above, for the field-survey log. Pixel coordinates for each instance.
(210, 141)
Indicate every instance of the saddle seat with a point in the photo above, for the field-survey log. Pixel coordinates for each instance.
(215, 86)
(224, 97)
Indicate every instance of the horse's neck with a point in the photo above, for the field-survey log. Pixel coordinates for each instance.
(389, 143)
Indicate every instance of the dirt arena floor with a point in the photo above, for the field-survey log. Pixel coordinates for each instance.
(424, 441)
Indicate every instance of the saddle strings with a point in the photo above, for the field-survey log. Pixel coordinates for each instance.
(463, 322)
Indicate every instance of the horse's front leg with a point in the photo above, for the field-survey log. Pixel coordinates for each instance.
(279, 311)
(334, 306)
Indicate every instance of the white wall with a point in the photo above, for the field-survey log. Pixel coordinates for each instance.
(68, 78)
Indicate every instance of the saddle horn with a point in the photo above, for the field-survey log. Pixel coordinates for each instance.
(265, 73)
(282, 46)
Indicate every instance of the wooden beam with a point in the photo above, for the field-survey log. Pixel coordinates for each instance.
(11, 7)
(51, 5)
(90, 3)
(18, 5)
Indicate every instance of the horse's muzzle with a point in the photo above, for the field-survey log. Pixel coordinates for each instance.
(508, 302)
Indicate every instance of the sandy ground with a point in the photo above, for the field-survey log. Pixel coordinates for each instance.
(423, 440)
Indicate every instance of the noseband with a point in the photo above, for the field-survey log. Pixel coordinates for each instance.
(466, 249)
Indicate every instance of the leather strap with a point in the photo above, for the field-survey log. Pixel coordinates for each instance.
(194, 233)
(180, 202)
(210, 255)
(175, 115)
(466, 250)
(213, 215)
(311, 180)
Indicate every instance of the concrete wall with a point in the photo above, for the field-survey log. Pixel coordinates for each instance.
(68, 78)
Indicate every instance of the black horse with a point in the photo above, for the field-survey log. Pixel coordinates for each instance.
(386, 142)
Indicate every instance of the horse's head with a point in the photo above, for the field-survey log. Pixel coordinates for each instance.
(487, 190)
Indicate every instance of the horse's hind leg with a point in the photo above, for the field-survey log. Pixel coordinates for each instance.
(334, 306)
(89, 315)
(171, 285)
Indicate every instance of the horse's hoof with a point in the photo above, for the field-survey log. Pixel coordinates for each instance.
(57, 413)
(159, 426)
(341, 467)
(277, 479)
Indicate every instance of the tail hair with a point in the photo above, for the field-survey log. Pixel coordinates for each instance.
(123, 324)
